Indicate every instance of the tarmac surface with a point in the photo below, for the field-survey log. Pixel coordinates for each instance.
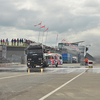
(65, 68)
(67, 82)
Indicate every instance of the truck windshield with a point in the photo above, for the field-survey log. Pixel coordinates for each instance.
(35, 51)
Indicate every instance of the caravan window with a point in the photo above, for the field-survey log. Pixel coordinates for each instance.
(52, 57)
(55, 57)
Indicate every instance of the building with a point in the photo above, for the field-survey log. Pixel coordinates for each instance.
(73, 49)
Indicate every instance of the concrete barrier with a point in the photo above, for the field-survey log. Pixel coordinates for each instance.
(4, 65)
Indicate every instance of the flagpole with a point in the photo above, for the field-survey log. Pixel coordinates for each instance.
(46, 35)
(57, 39)
(46, 38)
(39, 32)
(43, 35)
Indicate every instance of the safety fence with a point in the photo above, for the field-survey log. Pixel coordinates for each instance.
(12, 59)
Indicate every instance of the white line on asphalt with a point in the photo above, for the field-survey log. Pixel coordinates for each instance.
(15, 76)
(44, 97)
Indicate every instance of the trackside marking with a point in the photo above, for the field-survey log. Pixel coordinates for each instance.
(44, 97)
(14, 76)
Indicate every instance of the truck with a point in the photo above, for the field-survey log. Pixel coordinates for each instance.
(35, 56)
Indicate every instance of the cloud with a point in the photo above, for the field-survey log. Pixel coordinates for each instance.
(71, 20)
(90, 39)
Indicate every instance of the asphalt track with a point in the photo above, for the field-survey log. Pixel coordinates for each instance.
(69, 82)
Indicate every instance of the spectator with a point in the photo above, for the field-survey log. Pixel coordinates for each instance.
(17, 41)
(7, 41)
(12, 41)
(1, 41)
(20, 40)
(25, 40)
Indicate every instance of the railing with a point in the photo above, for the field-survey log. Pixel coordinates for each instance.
(14, 44)
(18, 44)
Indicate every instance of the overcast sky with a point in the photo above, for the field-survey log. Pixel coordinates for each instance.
(72, 20)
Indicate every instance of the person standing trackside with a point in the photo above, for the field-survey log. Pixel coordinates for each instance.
(86, 61)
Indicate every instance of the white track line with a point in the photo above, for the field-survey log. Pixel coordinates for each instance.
(44, 97)
(14, 76)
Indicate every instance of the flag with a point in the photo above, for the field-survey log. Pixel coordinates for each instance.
(46, 29)
(39, 24)
(35, 25)
(43, 26)
(63, 40)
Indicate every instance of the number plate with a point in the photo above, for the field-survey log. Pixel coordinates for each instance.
(35, 64)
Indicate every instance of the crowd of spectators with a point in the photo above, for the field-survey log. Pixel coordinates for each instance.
(17, 41)
(3, 41)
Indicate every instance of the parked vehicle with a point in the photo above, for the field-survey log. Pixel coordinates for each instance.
(54, 59)
(74, 60)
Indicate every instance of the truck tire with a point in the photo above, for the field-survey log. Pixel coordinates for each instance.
(45, 64)
(57, 65)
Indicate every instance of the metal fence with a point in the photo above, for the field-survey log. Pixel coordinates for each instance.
(15, 58)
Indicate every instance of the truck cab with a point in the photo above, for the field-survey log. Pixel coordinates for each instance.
(35, 56)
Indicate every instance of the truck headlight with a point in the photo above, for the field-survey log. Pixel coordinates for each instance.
(40, 58)
(28, 63)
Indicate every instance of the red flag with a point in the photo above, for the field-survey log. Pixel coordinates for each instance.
(39, 24)
(46, 29)
(35, 25)
(63, 40)
(43, 26)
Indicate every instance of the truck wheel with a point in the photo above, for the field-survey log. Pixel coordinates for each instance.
(43, 66)
(47, 65)
(57, 65)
